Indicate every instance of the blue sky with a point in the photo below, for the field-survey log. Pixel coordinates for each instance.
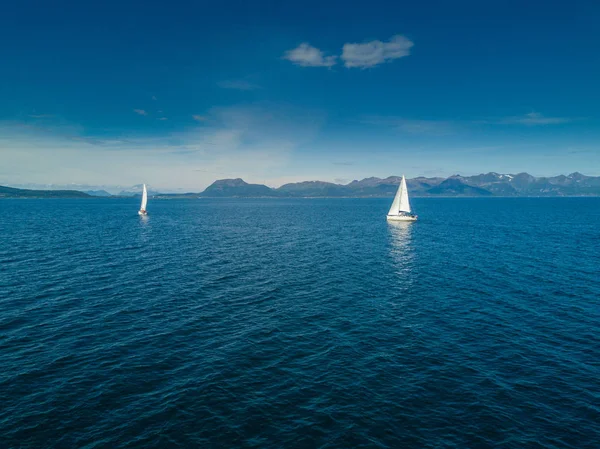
(178, 94)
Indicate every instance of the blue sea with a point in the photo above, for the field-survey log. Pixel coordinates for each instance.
(305, 323)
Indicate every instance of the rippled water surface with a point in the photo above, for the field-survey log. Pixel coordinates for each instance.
(300, 323)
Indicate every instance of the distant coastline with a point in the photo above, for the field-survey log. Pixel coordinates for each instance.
(483, 185)
(10, 192)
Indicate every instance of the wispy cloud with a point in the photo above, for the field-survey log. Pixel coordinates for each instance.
(252, 141)
(376, 52)
(140, 111)
(41, 115)
(445, 127)
(277, 122)
(154, 97)
(579, 150)
(200, 118)
(306, 55)
(163, 118)
(346, 163)
(238, 85)
(436, 127)
(426, 126)
(533, 119)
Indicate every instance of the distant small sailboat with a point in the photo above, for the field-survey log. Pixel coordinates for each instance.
(142, 210)
(400, 210)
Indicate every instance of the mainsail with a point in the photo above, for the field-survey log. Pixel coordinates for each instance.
(400, 203)
(404, 203)
(144, 198)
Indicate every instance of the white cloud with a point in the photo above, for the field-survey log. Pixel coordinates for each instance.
(140, 112)
(375, 52)
(199, 118)
(238, 85)
(306, 55)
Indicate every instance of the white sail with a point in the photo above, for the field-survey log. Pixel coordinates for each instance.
(396, 203)
(400, 203)
(404, 203)
(144, 198)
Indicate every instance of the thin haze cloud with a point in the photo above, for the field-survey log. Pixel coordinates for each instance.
(252, 141)
(419, 126)
(413, 126)
(535, 118)
(238, 85)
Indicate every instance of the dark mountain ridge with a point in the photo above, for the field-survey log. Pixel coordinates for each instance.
(485, 184)
(10, 192)
(103, 193)
(236, 187)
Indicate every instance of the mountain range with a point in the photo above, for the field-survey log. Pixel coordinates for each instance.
(97, 193)
(488, 184)
(10, 192)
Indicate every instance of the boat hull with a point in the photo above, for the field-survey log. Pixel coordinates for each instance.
(142, 212)
(402, 218)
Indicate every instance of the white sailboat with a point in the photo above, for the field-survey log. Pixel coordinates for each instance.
(142, 210)
(400, 210)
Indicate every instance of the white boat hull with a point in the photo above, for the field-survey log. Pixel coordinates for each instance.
(142, 212)
(402, 218)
